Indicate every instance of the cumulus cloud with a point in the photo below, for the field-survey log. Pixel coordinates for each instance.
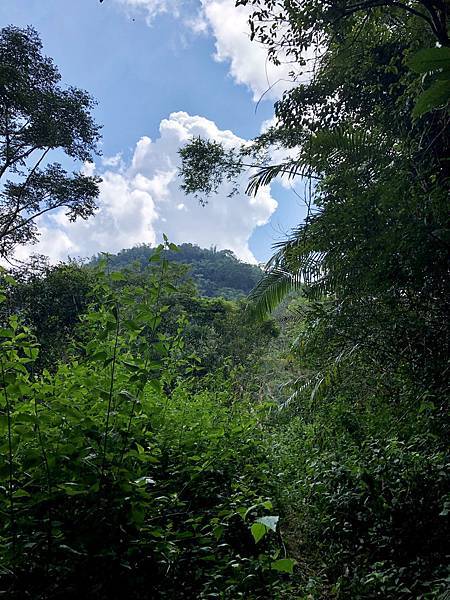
(112, 161)
(248, 62)
(141, 201)
(228, 24)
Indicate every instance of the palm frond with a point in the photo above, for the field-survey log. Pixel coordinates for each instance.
(284, 277)
(321, 382)
(351, 144)
(329, 146)
(301, 259)
(270, 291)
(265, 175)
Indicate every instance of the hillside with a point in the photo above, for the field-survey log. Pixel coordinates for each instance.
(215, 272)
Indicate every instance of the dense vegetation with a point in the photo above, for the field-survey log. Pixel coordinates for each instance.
(159, 443)
(216, 272)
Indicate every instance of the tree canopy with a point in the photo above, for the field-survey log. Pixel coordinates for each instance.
(215, 272)
(37, 117)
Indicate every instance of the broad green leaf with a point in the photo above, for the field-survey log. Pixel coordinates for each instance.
(72, 489)
(284, 565)
(100, 355)
(142, 481)
(131, 325)
(6, 332)
(21, 494)
(435, 96)
(258, 531)
(430, 59)
(242, 511)
(117, 276)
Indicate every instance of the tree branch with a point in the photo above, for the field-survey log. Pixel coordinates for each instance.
(6, 231)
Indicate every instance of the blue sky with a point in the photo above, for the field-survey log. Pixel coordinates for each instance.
(161, 71)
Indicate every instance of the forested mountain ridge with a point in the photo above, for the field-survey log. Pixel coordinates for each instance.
(215, 272)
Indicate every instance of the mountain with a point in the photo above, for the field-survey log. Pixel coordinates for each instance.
(216, 272)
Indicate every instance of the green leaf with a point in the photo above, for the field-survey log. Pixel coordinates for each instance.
(72, 489)
(131, 325)
(8, 333)
(143, 481)
(242, 511)
(21, 494)
(435, 96)
(100, 355)
(430, 59)
(8, 279)
(155, 385)
(271, 290)
(258, 531)
(270, 522)
(131, 365)
(284, 565)
(117, 276)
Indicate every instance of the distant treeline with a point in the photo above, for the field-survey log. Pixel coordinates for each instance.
(215, 272)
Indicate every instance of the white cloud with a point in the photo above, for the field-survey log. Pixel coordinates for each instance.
(197, 24)
(228, 24)
(112, 161)
(247, 59)
(140, 202)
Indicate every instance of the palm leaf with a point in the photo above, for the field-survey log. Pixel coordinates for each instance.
(271, 290)
(321, 382)
(300, 259)
(265, 175)
(325, 147)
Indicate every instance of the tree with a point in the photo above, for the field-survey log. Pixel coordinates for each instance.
(50, 300)
(292, 27)
(375, 240)
(37, 117)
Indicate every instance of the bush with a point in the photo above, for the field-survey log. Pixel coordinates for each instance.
(124, 478)
(366, 506)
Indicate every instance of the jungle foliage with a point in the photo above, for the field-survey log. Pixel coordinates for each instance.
(161, 441)
(366, 420)
(129, 469)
